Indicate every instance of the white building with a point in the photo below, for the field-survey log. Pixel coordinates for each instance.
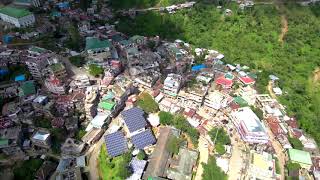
(217, 100)
(249, 94)
(17, 17)
(249, 126)
(172, 84)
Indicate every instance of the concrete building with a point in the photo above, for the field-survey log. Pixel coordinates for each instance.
(35, 3)
(41, 138)
(97, 50)
(262, 166)
(301, 157)
(249, 94)
(193, 95)
(172, 84)
(54, 85)
(17, 17)
(249, 126)
(217, 100)
(183, 167)
(37, 61)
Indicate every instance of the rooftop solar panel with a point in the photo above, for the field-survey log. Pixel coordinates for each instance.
(116, 143)
(134, 119)
(143, 139)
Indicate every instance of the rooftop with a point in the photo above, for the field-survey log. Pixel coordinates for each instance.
(143, 139)
(246, 116)
(14, 12)
(41, 135)
(116, 144)
(57, 67)
(93, 43)
(299, 156)
(134, 119)
(106, 105)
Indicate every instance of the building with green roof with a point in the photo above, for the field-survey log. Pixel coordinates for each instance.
(95, 44)
(301, 157)
(107, 105)
(97, 50)
(27, 88)
(17, 16)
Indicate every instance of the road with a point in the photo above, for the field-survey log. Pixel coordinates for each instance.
(236, 163)
(279, 152)
(94, 152)
(271, 91)
(204, 155)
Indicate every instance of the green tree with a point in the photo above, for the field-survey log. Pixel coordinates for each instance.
(141, 155)
(296, 143)
(219, 135)
(165, 118)
(27, 169)
(84, 4)
(78, 61)
(219, 148)
(95, 70)
(74, 40)
(293, 166)
(212, 171)
(147, 103)
(173, 145)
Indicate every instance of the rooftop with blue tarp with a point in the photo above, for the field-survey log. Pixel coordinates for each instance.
(198, 67)
(20, 77)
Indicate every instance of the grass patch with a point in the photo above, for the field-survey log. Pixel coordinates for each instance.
(147, 103)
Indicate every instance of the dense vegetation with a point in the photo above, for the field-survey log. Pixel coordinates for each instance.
(147, 103)
(179, 122)
(220, 137)
(173, 145)
(125, 4)
(27, 169)
(212, 171)
(252, 38)
(296, 143)
(78, 61)
(95, 70)
(114, 168)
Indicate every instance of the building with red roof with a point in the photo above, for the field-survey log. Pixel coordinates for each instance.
(274, 126)
(246, 80)
(54, 85)
(224, 82)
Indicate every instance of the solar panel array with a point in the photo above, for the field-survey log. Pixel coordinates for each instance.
(143, 139)
(116, 144)
(134, 119)
(137, 167)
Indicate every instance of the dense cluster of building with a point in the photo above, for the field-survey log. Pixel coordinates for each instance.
(54, 109)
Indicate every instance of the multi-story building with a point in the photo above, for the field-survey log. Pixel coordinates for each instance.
(58, 70)
(41, 138)
(249, 126)
(193, 95)
(17, 17)
(172, 84)
(54, 85)
(98, 50)
(37, 61)
(249, 94)
(217, 100)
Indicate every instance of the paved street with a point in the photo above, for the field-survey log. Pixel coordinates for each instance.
(204, 155)
(236, 160)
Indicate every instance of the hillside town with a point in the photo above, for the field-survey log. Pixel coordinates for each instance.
(134, 107)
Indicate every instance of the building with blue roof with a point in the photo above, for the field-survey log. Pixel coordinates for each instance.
(143, 139)
(20, 77)
(134, 121)
(198, 67)
(116, 144)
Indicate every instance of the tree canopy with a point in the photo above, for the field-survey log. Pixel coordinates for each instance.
(95, 70)
(147, 103)
(212, 171)
(220, 137)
